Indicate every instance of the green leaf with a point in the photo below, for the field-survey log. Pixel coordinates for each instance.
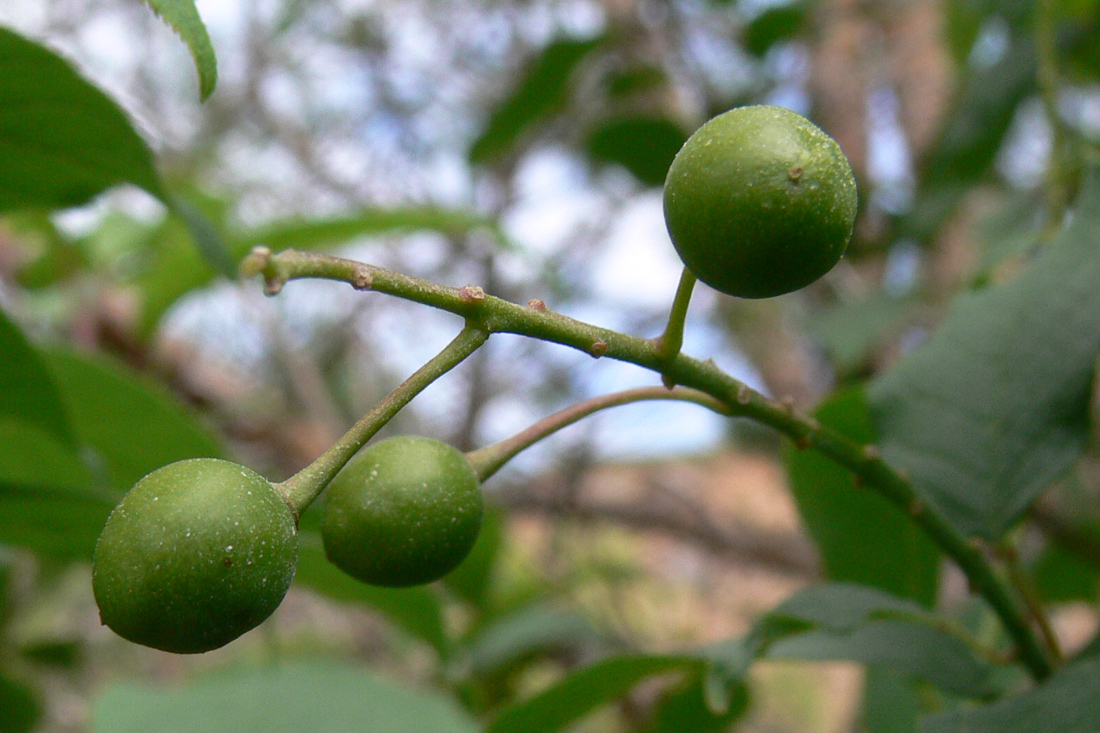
(685, 709)
(61, 523)
(645, 146)
(55, 501)
(916, 650)
(321, 698)
(850, 331)
(838, 607)
(206, 236)
(19, 707)
(46, 500)
(845, 519)
(317, 233)
(1069, 702)
(973, 129)
(174, 267)
(855, 623)
(994, 407)
(417, 610)
(890, 702)
(581, 692)
(27, 391)
(54, 258)
(62, 140)
(635, 80)
(541, 93)
(1061, 576)
(963, 20)
(472, 580)
(515, 638)
(130, 425)
(185, 20)
(773, 25)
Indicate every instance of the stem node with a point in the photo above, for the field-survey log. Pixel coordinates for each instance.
(471, 293)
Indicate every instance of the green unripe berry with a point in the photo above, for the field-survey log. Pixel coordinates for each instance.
(196, 554)
(402, 512)
(760, 202)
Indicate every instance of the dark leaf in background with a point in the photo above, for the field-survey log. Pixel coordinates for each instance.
(644, 146)
(994, 406)
(862, 537)
(772, 26)
(970, 137)
(1061, 576)
(62, 140)
(635, 80)
(19, 707)
(541, 92)
(685, 709)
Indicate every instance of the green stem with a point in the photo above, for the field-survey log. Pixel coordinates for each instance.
(488, 460)
(670, 342)
(304, 487)
(500, 316)
(1034, 604)
(1057, 183)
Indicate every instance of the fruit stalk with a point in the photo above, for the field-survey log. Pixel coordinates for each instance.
(303, 488)
(671, 341)
(488, 460)
(496, 315)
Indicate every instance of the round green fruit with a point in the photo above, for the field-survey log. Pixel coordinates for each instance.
(760, 202)
(402, 512)
(196, 554)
